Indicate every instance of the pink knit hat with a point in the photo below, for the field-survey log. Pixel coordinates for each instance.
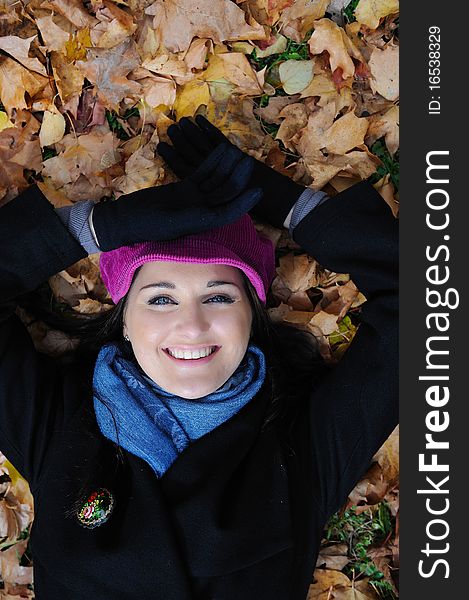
(237, 244)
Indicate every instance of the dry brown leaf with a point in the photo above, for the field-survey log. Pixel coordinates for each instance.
(338, 299)
(169, 65)
(115, 26)
(271, 112)
(197, 53)
(296, 20)
(345, 133)
(369, 12)
(384, 67)
(329, 36)
(54, 36)
(295, 119)
(298, 273)
(235, 68)
(325, 321)
(19, 149)
(142, 170)
(18, 48)
(333, 557)
(73, 11)
(15, 81)
(68, 78)
(88, 155)
(358, 163)
(330, 584)
(386, 188)
(387, 125)
(179, 21)
(157, 91)
(107, 69)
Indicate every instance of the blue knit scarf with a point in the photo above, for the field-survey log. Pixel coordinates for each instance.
(154, 424)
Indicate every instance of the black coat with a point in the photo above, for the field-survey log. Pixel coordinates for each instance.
(238, 515)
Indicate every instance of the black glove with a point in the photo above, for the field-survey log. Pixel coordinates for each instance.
(193, 142)
(196, 204)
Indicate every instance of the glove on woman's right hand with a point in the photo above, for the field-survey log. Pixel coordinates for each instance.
(196, 204)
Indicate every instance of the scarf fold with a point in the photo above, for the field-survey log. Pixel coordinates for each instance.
(155, 424)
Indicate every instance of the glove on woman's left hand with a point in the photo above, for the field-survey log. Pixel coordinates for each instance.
(197, 204)
(192, 142)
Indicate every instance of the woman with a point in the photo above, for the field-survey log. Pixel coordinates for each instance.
(166, 475)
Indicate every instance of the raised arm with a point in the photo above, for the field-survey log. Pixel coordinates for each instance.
(355, 408)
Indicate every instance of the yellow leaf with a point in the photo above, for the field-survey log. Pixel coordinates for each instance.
(277, 47)
(52, 128)
(75, 48)
(369, 12)
(295, 75)
(4, 121)
(190, 97)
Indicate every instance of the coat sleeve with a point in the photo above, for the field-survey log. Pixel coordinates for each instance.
(34, 245)
(355, 407)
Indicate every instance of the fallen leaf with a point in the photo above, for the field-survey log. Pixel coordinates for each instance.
(18, 48)
(73, 10)
(179, 21)
(369, 12)
(297, 19)
(52, 127)
(271, 112)
(107, 69)
(4, 121)
(387, 125)
(141, 171)
(333, 557)
(88, 155)
(329, 36)
(294, 120)
(190, 98)
(384, 67)
(15, 82)
(295, 75)
(298, 273)
(386, 188)
(236, 69)
(114, 27)
(197, 53)
(54, 36)
(345, 133)
(68, 77)
(278, 46)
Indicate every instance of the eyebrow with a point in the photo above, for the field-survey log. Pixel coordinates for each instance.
(172, 286)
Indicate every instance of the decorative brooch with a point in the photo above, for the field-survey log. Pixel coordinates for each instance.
(97, 509)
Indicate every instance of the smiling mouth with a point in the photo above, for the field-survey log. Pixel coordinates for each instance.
(200, 358)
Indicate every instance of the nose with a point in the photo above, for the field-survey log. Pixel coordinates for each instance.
(192, 322)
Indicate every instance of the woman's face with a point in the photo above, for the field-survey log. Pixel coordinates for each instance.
(185, 307)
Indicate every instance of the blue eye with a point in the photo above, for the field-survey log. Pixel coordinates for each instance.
(224, 299)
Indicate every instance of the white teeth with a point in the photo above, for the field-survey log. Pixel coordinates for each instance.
(188, 354)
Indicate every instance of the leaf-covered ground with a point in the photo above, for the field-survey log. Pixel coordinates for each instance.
(88, 89)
